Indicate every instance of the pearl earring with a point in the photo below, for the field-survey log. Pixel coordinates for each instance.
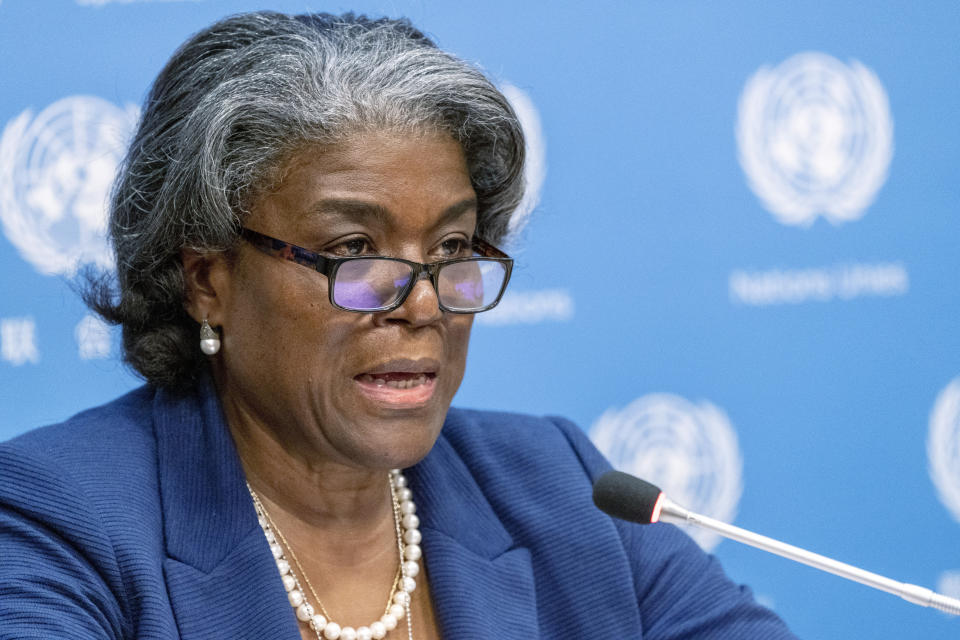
(209, 339)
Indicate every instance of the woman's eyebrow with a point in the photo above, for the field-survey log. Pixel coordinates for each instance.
(359, 211)
(456, 211)
(346, 210)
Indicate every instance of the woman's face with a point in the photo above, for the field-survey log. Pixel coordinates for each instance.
(367, 390)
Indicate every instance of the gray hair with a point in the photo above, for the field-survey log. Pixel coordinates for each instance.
(230, 108)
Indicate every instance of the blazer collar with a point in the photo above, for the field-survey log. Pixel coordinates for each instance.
(220, 574)
(482, 582)
(207, 509)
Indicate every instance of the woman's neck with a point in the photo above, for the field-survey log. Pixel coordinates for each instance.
(327, 495)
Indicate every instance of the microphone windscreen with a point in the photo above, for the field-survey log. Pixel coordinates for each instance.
(624, 496)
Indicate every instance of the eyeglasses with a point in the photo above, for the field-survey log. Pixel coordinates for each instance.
(377, 283)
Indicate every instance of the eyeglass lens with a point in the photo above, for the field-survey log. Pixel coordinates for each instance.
(375, 283)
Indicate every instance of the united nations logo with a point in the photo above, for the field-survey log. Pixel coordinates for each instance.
(55, 174)
(689, 450)
(815, 138)
(943, 447)
(535, 168)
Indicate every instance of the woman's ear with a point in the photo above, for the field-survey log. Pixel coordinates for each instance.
(205, 278)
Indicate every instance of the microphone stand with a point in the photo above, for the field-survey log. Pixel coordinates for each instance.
(672, 512)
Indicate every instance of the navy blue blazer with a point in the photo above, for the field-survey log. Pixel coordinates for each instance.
(133, 520)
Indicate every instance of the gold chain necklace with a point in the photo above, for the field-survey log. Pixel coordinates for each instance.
(406, 525)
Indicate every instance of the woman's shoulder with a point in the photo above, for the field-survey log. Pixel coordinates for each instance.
(120, 425)
(79, 506)
(104, 458)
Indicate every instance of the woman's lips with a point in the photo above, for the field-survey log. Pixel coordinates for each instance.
(397, 389)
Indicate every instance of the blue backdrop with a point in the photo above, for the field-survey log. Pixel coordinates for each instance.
(764, 196)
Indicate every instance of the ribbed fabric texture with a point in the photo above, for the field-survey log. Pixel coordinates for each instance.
(132, 521)
(75, 503)
(590, 574)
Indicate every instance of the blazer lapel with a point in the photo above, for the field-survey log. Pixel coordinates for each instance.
(220, 574)
(482, 584)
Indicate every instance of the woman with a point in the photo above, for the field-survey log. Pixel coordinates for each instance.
(303, 230)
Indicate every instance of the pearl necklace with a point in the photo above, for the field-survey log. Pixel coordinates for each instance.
(398, 602)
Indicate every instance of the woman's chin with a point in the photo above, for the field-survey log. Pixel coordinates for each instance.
(391, 444)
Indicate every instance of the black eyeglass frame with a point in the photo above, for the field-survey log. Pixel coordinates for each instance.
(329, 265)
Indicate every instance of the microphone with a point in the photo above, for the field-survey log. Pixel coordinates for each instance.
(629, 498)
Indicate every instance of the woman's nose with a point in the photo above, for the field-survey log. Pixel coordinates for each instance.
(422, 305)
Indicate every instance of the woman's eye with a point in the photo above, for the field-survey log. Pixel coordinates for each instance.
(454, 248)
(351, 247)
